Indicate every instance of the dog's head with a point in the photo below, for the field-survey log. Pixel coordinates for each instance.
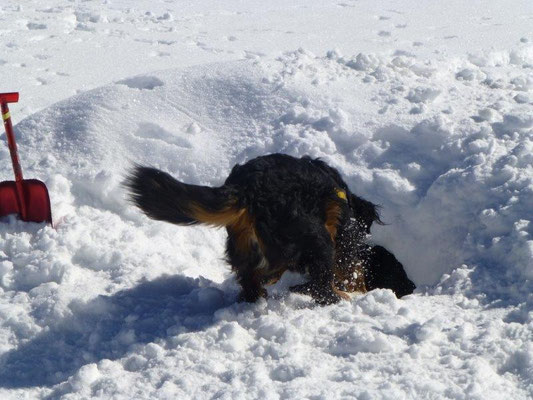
(364, 212)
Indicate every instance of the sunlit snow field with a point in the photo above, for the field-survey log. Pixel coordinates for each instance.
(426, 108)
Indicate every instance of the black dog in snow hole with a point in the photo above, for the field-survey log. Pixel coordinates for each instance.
(281, 213)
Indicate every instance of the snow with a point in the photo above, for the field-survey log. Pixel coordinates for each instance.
(424, 108)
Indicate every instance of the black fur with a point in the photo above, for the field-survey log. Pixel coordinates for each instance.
(384, 271)
(281, 213)
(163, 198)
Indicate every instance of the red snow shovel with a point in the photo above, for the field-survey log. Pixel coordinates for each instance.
(26, 197)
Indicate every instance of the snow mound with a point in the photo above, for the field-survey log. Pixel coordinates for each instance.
(108, 302)
(455, 184)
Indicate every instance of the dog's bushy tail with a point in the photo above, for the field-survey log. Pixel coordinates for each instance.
(164, 198)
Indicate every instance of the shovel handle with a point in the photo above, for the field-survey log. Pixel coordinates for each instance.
(6, 98)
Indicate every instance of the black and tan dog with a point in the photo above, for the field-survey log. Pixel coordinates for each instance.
(281, 213)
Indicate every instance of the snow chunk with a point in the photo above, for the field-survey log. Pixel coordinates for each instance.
(422, 95)
(234, 338)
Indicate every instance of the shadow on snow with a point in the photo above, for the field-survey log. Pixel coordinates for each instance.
(108, 326)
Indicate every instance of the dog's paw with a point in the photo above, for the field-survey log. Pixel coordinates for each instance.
(321, 295)
(249, 296)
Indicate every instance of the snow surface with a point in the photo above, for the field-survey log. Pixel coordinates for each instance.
(426, 109)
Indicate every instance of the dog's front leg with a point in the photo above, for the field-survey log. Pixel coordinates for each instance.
(318, 256)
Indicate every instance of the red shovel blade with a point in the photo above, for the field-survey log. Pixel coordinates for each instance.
(36, 199)
(9, 97)
(8, 199)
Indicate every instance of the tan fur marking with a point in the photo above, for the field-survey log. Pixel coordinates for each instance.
(347, 295)
(243, 231)
(342, 295)
(227, 216)
(349, 279)
(245, 235)
(333, 215)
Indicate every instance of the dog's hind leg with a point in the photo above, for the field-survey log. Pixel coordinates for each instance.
(246, 263)
(246, 258)
(251, 283)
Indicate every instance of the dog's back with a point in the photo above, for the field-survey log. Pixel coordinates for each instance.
(285, 196)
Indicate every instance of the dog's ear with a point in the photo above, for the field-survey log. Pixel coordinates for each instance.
(364, 212)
